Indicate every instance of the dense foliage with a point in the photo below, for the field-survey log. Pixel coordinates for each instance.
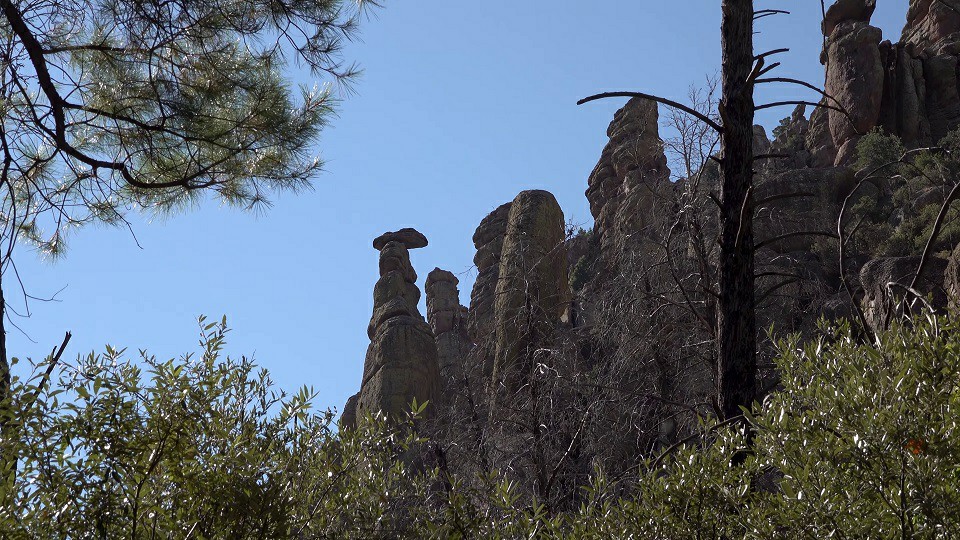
(860, 442)
(896, 208)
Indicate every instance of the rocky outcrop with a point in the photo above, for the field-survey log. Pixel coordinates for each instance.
(788, 144)
(885, 283)
(448, 319)
(488, 240)
(401, 362)
(932, 25)
(630, 185)
(855, 79)
(532, 291)
(908, 88)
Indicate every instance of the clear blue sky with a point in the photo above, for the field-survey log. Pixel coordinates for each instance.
(461, 106)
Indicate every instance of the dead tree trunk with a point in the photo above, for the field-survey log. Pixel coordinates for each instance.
(737, 363)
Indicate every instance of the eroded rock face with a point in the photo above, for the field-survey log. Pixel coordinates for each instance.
(932, 25)
(855, 78)
(532, 291)
(909, 88)
(630, 183)
(401, 362)
(448, 319)
(488, 240)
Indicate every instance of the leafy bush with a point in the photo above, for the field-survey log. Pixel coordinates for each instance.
(198, 447)
(895, 213)
(859, 442)
(876, 149)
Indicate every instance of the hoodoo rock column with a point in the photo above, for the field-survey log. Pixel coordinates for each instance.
(401, 362)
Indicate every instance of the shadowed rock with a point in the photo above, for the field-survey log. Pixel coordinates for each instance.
(448, 320)
(488, 240)
(885, 283)
(348, 419)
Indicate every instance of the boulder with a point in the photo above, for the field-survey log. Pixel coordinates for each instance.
(884, 283)
(847, 10)
(409, 237)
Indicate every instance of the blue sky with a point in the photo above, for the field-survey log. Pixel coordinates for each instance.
(461, 106)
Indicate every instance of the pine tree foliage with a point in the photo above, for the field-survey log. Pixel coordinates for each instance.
(112, 105)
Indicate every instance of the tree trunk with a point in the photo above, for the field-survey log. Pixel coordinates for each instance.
(737, 363)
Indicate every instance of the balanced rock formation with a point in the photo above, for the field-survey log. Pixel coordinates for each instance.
(409, 237)
(448, 319)
(848, 10)
(854, 77)
(532, 291)
(401, 362)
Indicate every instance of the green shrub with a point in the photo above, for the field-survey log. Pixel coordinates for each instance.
(876, 149)
(861, 441)
(198, 447)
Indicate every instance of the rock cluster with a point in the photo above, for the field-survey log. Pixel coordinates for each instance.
(401, 362)
(908, 88)
(645, 276)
